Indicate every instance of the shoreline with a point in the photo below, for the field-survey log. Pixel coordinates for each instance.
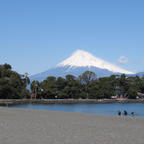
(7, 102)
(23, 126)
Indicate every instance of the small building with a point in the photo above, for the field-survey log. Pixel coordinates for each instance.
(114, 97)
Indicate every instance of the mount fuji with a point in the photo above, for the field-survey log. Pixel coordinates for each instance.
(79, 62)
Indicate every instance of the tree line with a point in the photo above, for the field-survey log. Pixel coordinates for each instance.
(88, 86)
(12, 84)
(85, 86)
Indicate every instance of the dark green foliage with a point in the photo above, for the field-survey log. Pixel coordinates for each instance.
(49, 87)
(87, 77)
(70, 78)
(86, 86)
(132, 92)
(12, 84)
(7, 66)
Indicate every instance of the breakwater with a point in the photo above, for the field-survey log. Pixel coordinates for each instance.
(7, 102)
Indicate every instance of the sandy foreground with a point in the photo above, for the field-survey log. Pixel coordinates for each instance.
(25, 126)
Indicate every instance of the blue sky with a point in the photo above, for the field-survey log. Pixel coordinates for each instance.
(35, 35)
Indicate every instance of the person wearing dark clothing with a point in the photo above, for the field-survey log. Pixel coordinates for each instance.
(119, 113)
(125, 113)
(132, 113)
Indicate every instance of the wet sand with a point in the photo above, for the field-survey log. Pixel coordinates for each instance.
(26, 126)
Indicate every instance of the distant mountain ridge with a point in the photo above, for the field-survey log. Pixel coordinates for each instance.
(79, 62)
(63, 71)
(140, 74)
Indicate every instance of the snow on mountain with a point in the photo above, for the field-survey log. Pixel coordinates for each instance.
(84, 59)
(78, 63)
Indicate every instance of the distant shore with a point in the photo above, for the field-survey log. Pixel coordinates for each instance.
(6, 102)
(26, 126)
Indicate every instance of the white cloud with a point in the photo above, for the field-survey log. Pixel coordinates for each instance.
(123, 60)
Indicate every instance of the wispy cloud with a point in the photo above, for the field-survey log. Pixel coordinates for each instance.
(123, 60)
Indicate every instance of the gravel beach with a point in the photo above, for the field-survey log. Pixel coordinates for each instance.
(27, 126)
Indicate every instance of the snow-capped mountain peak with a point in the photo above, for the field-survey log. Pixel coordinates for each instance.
(82, 58)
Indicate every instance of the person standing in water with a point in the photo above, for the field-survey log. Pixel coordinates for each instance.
(119, 113)
(125, 113)
(132, 113)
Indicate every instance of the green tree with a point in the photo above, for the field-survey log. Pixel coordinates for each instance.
(11, 83)
(85, 79)
(132, 92)
(70, 78)
(34, 88)
(26, 80)
(49, 88)
(61, 84)
(7, 66)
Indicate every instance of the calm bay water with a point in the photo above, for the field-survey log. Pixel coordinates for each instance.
(107, 109)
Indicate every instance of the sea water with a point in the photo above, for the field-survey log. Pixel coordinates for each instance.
(108, 109)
